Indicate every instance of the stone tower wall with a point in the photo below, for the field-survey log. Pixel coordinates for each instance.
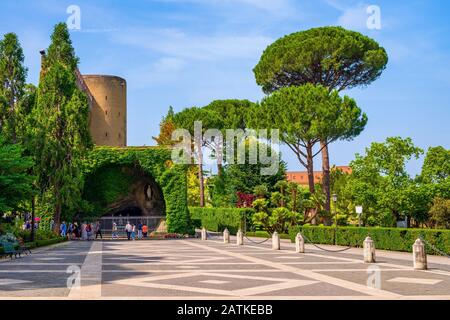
(108, 116)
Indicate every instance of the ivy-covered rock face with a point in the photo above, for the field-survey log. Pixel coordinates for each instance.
(139, 178)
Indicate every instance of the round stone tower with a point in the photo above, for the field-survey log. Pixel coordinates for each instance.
(108, 116)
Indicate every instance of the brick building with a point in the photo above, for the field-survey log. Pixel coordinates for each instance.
(301, 177)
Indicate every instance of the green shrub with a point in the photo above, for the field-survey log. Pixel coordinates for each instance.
(265, 234)
(395, 239)
(217, 219)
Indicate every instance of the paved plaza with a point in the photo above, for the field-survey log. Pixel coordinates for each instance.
(195, 269)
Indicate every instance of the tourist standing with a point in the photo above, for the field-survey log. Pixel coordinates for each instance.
(145, 230)
(83, 231)
(89, 231)
(133, 232)
(128, 230)
(63, 229)
(139, 227)
(98, 230)
(114, 234)
(76, 231)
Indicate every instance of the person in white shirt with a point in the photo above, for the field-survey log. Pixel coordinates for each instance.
(128, 230)
(114, 231)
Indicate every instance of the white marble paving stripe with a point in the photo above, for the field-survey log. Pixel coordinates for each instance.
(307, 273)
(91, 275)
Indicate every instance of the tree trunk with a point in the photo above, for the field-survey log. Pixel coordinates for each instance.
(326, 179)
(200, 174)
(294, 200)
(219, 169)
(57, 217)
(33, 217)
(312, 189)
(310, 168)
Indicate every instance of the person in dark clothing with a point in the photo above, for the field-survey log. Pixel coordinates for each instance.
(98, 231)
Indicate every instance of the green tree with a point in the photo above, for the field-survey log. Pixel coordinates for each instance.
(332, 57)
(436, 166)
(440, 213)
(16, 185)
(230, 115)
(380, 178)
(186, 119)
(166, 128)
(61, 136)
(12, 83)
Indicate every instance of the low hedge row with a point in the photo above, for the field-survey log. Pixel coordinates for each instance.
(47, 242)
(395, 239)
(217, 219)
(41, 243)
(265, 234)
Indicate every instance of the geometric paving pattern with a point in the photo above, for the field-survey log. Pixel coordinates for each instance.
(195, 269)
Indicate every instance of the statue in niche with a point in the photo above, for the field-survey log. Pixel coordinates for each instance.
(148, 193)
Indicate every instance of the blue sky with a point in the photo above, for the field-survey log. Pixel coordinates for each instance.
(190, 52)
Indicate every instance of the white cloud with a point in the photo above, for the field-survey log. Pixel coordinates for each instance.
(175, 43)
(354, 18)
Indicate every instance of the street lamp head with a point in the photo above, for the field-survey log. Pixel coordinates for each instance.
(334, 197)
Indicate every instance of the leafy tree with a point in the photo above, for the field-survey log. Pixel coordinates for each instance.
(279, 219)
(12, 83)
(440, 213)
(16, 185)
(244, 178)
(436, 166)
(166, 128)
(61, 136)
(186, 120)
(230, 114)
(260, 191)
(380, 178)
(332, 57)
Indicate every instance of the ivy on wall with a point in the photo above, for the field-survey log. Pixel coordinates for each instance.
(153, 161)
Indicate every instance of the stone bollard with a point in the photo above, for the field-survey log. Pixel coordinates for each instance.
(276, 241)
(369, 250)
(240, 238)
(204, 234)
(299, 243)
(420, 255)
(226, 236)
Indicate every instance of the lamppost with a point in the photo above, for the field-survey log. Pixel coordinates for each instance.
(334, 197)
(359, 211)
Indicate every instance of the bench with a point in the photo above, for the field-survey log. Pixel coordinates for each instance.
(9, 250)
(23, 248)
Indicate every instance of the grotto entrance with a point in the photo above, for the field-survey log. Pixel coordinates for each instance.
(126, 194)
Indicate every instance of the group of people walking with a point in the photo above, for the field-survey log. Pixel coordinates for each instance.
(87, 231)
(130, 229)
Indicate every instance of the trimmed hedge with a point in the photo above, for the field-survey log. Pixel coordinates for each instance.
(395, 239)
(265, 234)
(44, 243)
(217, 219)
(41, 243)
